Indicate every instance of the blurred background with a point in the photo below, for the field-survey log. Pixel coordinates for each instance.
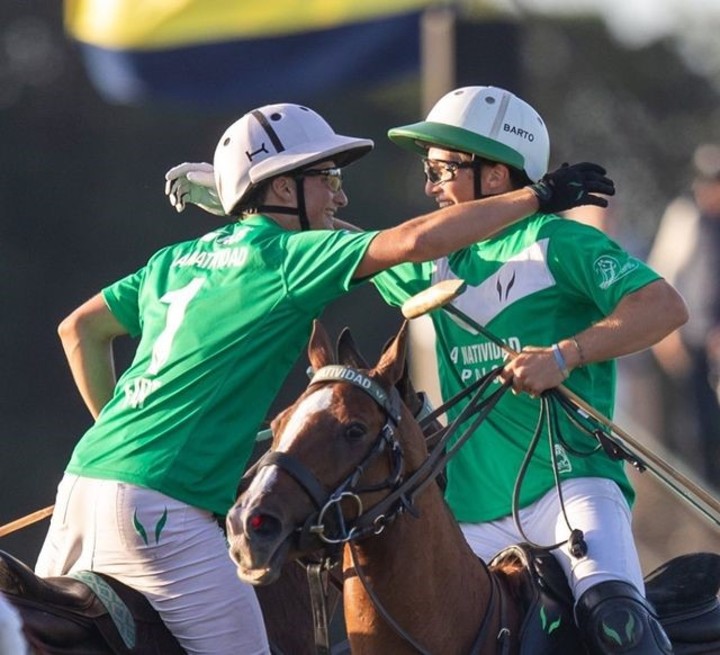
(98, 100)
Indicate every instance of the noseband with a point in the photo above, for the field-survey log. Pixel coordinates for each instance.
(328, 505)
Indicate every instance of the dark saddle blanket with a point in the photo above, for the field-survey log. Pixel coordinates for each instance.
(87, 614)
(683, 591)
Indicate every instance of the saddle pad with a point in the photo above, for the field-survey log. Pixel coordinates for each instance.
(116, 608)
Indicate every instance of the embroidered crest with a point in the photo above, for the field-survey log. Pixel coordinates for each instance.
(608, 270)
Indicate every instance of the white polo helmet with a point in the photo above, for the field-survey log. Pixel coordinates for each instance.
(486, 121)
(276, 139)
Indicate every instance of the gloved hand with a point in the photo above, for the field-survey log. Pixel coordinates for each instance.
(193, 183)
(571, 186)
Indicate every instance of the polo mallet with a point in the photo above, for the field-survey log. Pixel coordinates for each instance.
(440, 295)
(23, 522)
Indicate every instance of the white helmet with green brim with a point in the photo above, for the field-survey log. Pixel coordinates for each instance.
(486, 121)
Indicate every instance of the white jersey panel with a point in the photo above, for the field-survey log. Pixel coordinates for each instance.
(522, 275)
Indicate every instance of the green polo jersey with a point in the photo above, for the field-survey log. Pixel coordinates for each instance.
(539, 281)
(221, 321)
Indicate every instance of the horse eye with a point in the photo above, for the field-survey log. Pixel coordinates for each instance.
(355, 430)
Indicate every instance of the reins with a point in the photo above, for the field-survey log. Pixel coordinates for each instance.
(402, 494)
(614, 440)
(403, 498)
(576, 541)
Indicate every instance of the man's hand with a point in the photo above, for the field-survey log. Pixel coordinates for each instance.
(533, 370)
(193, 183)
(573, 186)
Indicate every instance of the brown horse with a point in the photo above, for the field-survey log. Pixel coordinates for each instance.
(347, 470)
(286, 603)
(331, 430)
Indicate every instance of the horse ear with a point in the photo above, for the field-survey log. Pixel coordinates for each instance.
(392, 363)
(347, 351)
(320, 350)
(404, 384)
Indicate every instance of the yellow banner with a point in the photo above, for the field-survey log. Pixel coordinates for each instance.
(156, 24)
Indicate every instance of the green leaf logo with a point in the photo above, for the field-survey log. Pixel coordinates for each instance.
(612, 634)
(139, 527)
(630, 628)
(551, 627)
(160, 525)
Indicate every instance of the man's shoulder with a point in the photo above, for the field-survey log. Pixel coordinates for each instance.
(325, 243)
(554, 223)
(570, 232)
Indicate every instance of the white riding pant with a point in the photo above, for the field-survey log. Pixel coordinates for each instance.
(175, 554)
(594, 505)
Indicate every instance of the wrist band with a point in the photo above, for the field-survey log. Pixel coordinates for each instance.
(581, 354)
(560, 361)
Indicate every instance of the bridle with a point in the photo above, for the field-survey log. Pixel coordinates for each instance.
(315, 532)
(402, 489)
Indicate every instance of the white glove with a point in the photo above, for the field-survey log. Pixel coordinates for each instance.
(193, 183)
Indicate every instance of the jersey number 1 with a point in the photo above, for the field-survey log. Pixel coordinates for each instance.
(177, 302)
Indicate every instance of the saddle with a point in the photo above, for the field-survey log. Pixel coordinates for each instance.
(545, 598)
(683, 591)
(87, 614)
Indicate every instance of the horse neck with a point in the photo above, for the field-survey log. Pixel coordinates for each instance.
(424, 575)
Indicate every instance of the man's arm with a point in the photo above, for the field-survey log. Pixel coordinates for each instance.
(459, 226)
(87, 335)
(446, 230)
(640, 320)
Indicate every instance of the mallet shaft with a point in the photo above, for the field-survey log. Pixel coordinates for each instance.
(23, 522)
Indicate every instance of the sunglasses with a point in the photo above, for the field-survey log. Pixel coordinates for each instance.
(439, 171)
(333, 177)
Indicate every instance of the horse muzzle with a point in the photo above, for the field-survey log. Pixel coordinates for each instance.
(259, 543)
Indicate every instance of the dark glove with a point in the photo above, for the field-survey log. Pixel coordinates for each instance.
(572, 186)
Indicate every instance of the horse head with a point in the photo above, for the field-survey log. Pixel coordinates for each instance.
(336, 453)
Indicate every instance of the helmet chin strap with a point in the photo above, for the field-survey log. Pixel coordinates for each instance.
(477, 184)
(477, 178)
(300, 211)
